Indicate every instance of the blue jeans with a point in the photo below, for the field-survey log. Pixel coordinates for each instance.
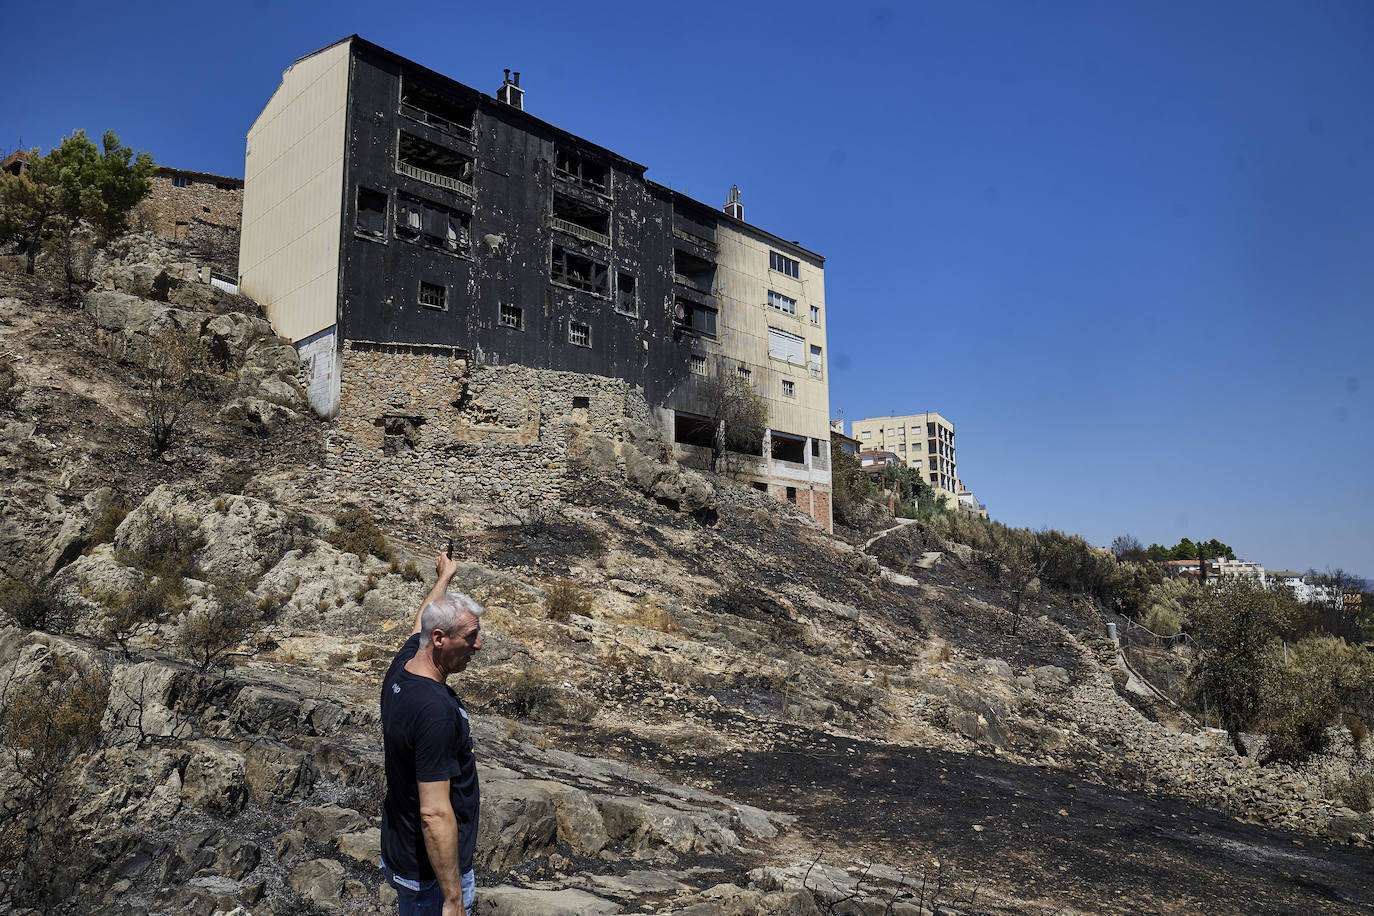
(424, 898)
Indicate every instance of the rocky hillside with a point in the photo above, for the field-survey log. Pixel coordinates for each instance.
(690, 700)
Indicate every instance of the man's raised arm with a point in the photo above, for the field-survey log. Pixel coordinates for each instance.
(444, 567)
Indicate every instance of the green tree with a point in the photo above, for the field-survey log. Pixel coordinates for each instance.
(1185, 549)
(1234, 627)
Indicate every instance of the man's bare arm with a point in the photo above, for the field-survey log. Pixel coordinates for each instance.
(440, 827)
(444, 568)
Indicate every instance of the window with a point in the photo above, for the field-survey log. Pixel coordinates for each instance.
(744, 372)
(579, 272)
(815, 448)
(512, 316)
(697, 363)
(581, 402)
(782, 345)
(694, 317)
(433, 295)
(431, 225)
(916, 446)
(787, 447)
(179, 181)
(371, 213)
(589, 223)
(579, 334)
(901, 446)
(573, 167)
(865, 435)
(792, 494)
(782, 303)
(783, 264)
(789, 388)
(625, 301)
(815, 362)
(901, 430)
(815, 314)
(689, 429)
(930, 429)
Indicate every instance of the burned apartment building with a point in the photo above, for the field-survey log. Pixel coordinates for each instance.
(391, 211)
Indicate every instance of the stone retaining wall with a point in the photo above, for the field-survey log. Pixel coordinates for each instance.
(419, 421)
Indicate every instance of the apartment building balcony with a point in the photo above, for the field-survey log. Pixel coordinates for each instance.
(581, 232)
(435, 165)
(439, 181)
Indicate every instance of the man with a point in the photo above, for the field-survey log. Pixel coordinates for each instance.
(429, 817)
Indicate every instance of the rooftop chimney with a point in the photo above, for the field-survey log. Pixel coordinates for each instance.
(510, 91)
(732, 205)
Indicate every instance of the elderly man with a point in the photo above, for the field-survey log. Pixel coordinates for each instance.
(429, 817)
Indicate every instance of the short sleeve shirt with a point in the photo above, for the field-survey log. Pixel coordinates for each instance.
(426, 739)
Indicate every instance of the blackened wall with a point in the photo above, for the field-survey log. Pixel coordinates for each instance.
(511, 239)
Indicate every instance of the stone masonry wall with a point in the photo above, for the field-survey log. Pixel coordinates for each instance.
(202, 213)
(418, 422)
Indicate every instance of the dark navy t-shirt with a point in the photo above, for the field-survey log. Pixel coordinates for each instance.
(427, 740)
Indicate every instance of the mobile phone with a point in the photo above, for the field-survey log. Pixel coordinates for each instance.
(448, 551)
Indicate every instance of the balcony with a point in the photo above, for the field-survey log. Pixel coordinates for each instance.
(434, 178)
(690, 283)
(581, 232)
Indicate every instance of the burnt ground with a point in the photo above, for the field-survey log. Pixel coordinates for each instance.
(1052, 840)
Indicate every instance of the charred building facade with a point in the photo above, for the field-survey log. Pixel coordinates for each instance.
(389, 206)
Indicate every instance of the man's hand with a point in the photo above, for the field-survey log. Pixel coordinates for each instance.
(453, 908)
(444, 569)
(440, 829)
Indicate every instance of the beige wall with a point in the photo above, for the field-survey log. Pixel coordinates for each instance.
(743, 280)
(911, 431)
(293, 195)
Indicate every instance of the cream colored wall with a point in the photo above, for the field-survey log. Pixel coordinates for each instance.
(293, 196)
(743, 280)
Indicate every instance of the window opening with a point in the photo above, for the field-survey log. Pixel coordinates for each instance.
(815, 361)
(429, 224)
(693, 430)
(815, 448)
(693, 271)
(783, 264)
(436, 109)
(815, 314)
(434, 164)
(692, 316)
(760, 486)
(626, 302)
(792, 495)
(744, 372)
(399, 434)
(433, 295)
(782, 303)
(573, 167)
(581, 402)
(512, 316)
(579, 272)
(697, 363)
(579, 334)
(180, 181)
(582, 220)
(789, 388)
(371, 213)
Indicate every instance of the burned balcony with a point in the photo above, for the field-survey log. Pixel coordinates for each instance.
(440, 111)
(428, 224)
(579, 272)
(694, 317)
(581, 220)
(433, 164)
(693, 272)
(581, 171)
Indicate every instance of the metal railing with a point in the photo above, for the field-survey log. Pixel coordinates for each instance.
(581, 232)
(434, 178)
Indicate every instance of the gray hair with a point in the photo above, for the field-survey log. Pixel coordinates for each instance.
(444, 612)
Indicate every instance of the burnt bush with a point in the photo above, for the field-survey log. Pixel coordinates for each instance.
(565, 598)
(33, 605)
(356, 532)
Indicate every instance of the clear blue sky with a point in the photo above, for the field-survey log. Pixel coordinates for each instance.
(1128, 248)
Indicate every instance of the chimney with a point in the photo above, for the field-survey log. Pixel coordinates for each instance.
(510, 91)
(732, 205)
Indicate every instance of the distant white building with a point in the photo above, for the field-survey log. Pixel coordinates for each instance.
(1304, 591)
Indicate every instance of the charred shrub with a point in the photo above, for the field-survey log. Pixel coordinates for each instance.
(167, 550)
(33, 606)
(533, 696)
(565, 598)
(211, 634)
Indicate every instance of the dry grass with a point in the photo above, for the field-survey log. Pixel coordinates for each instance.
(565, 598)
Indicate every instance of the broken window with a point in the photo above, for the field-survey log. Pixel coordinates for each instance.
(429, 224)
(582, 220)
(371, 213)
(512, 316)
(792, 495)
(786, 447)
(782, 303)
(579, 272)
(434, 164)
(693, 430)
(438, 110)
(578, 169)
(626, 302)
(579, 334)
(783, 264)
(695, 317)
(433, 295)
(782, 345)
(399, 434)
(693, 272)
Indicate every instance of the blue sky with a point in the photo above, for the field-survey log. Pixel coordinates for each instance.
(1128, 248)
